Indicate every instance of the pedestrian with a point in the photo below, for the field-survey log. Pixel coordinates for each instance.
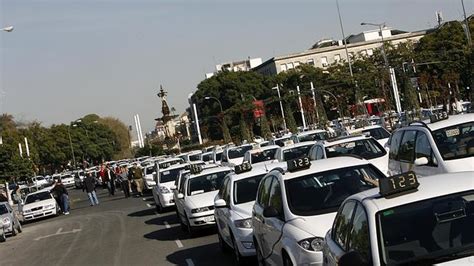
(137, 175)
(124, 181)
(62, 196)
(110, 180)
(89, 187)
(103, 176)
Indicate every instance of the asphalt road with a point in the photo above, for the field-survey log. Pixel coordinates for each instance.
(118, 231)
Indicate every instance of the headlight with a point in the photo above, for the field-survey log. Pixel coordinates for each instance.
(313, 244)
(164, 190)
(26, 211)
(6, 221)
(198, 210)
(244, 223)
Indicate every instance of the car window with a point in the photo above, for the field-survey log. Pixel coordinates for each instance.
(3, 209)
(423, 147)
(265, 155)
(245, 190)
(218, 156)
(238, 152)
(169, 175)
(456, 141)
(181, 185)
(342, 224)
(377, 133)
(296, 152)
(275, 199)
(205, 183)
(264, 191)
(407, 146)
(366, 148)
(395, 144)
(359, 236)
(37, 197)
(222, 191)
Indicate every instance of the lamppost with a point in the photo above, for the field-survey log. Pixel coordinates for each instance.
(225, 133)
(380, 26)
(73, 124)
(281, 106)
(8, 29)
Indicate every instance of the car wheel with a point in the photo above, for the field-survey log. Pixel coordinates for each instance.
(222, 244)
(2, 236)
(189, 228)
(260, 259)
(159, 208)
(238, 258)
(286, 260)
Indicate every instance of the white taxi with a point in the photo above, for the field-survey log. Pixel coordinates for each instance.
(233, 210)
(261, 156)
(295, 208)
(409, 221)
(375, 131)
(232, 156)
(442, 145)
(38, 205)
(293, 151)
(310, 135)
(195, 197)
(363, 146)
(164, 180)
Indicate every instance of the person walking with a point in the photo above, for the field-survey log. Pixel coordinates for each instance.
(124, 181)
(103, 177)
(111, 180)
(62, 195)
(137, 179)
(89, 187)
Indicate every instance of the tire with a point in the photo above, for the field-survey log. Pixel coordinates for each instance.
(159, 208)
(286, 260)
(2, 237)
(260, 260)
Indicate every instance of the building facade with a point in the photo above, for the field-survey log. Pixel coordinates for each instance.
(243, 65)
(330, 52)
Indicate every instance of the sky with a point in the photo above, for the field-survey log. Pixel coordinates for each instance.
(66, 59)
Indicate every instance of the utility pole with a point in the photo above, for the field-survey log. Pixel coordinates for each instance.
(301, 106)
(281, 106)
(314, 101)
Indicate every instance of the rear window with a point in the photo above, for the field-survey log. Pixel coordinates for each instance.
(296, 152)
(238, 152)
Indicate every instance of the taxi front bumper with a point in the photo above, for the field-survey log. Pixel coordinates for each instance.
(202, 219)
(166, 200)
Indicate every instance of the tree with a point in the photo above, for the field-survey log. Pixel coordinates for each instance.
(265, 130)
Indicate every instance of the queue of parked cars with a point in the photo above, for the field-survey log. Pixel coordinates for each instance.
(368, 198)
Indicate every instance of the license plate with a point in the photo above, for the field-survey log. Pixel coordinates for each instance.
(209, 219)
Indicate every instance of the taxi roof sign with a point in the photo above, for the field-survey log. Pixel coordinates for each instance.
(298, 164)
(195, 169)
(242, 168)
(438, 116)
(398, 185)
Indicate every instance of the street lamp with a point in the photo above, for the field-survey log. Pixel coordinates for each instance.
(214, 98)
(281, 106)
(225, 136)
(8, 29)
(381, 26)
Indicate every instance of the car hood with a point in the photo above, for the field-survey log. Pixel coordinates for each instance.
(459, 165)
(317, 225)
(244, 210)
(463, 261)
(202, 200)
(236, 161)
(38, 204)
(381, 163)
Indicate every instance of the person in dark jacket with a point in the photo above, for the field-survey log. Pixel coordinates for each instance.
(89, 187)
(61, 192)
(123, 176)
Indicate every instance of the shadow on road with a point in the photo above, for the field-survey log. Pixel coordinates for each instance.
(146, 212)
(173, 233)
(209, 254)
(169, 218)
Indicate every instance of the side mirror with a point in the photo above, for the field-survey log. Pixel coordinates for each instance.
(270, 212)
(352, 258)
(173, 187)
(220, 203)
(180, 196)
(421, 161)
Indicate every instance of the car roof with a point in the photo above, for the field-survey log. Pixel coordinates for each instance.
(170, 160)
(451, 121)
(174, 166)
(430, 187)
(327, 165)
(258, 170)
(344, 139)
(38, 192)
(360, 129)
(211, 171)
(309, 132)
(269, 147)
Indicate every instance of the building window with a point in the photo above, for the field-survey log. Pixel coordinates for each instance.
(290, 66)
(310, 62)
(370, 52)
(324, 61)
(283, 67)
(337, 58)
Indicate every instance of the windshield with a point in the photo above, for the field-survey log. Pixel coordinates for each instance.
(149, 170)
(238, 152)
(37, 197)
(377, 133)
(313, 137)
(455, 142)
(219, 156)
(281, 142)
(39, 178)
(206, 183)
(195, 157)
(3, 209)
(296, 152)
(169, 175)
(169, 163)
(427, 230)
(245, 190)
(365, 148)
(207, 157)
(320, 193)
(265, 155)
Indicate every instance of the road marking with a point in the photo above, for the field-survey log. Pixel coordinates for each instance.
(178, 243)
(148, 204)
(167, 225)
(189, 262)
(59, 232)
